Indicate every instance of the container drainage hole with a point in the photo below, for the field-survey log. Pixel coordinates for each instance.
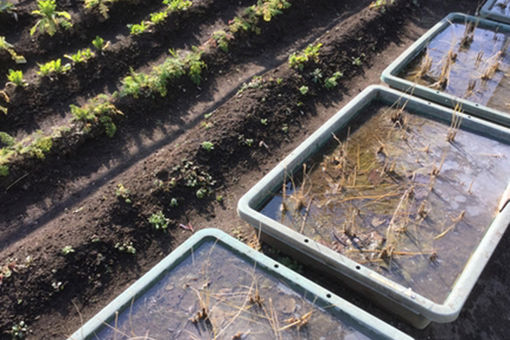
(306, 240)
(358, 267)
(328, 296)
(276, 265)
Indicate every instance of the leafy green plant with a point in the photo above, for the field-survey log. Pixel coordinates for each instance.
(207, 146)
(4, 45)
(174, 203)
(332, 81)
(201, 193)
(158, 17)
(39, 147)
(67, 250)
(136, 29)
(316, 75)
(133, 84)
(380, 4)
(310, 53)
(195, 65)
(357, 61)
(53, 67)
(100, 44)
(122, 192)
(82, 56)
(221, 39)
(50, 19)
(265, 9)
(159, 221)
(304, 90)
(162, 75)
(102, 6)
(16, 78)
(264, 121)
(6, 139)
(98, 110)
(270, 8)
(19, 330)
(126, 247)
(177, 5)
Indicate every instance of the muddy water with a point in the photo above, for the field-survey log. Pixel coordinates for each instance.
(399, 198)
(223, 283)
(469, 65)
(501, 7)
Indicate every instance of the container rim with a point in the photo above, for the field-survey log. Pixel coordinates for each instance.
(389, 75)
(487, 12)
(445, 312)
(366, 320)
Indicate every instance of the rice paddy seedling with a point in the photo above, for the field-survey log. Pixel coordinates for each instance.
(49, 18)
(16, 78)
(455, 124)
(4, 45)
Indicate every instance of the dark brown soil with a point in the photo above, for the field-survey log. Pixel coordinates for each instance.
(71, 200)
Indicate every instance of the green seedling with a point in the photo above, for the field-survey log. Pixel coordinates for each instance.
(356, 61)
(304, 90)
(195, 65)
(4, 45)
(98, 110)
(82, 56)
(201, 193)
(264, 121)
(177, 5)
(6, 139)
(50, 19)
(159, 221)
(310, 53)
(126, 247)
(16, 78)
(19, 330)
(53, 67)
(174, 203)
(207, 146)
(67, 250)
(221, 39)
(102, 6)
(122, 192)
(158, 17)
(100, 44)
(136, 29)
(332, 81)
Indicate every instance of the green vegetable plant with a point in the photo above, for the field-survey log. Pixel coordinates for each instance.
(221, 39)
(207, 146)
(265, 9)
(19, 330)
(39, 147)
(195, 65)
(98, 110)
(310, 53)
(177, 5)
(126, 247)
(136, 29)
(50, 19)
(304, 90)
(53, 67)
(4, 45)
(82, 56)
(332, 81)
(67, 250)
(158, 17)
(100, 44)
(133, 84)
(102, 6)
(159, 221)
(16, 78)
(122, 192)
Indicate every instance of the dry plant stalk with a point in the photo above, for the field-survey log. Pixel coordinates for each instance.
(455, 124)
(444, 75)
(426, 64)
(455, 221)
(468, 35)
(297, 322)
(492, 67)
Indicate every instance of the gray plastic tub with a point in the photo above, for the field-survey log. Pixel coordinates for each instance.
(391, 74)
(394, 296)
(490, 10)
(209, 270)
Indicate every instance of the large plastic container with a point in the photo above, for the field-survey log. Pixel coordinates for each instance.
(455, 254)
(215, 287)
(470, 65)
(492, 10)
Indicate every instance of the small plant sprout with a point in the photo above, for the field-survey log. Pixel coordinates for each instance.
(53, 67)
(310, 53)
(67, 250)
(100, 44)
(332, 81)
(99, 5)
(221, 39)
(177, 5)
(16, 78)
(159, 221)
(158, 17)
(126, 247)
(207, 146)
(4, 45)
(357, 61)
(201, 193)
(426, 64)
(304, 90)
(19, 330)
(122, 192)
(174, 203)
(82, 56)
(50, 19)
(264, 121)
(136, 29)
